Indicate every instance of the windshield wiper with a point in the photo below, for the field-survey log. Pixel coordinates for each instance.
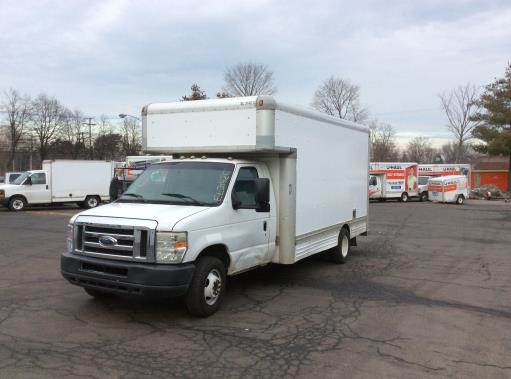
(184, 197)
(136, 195)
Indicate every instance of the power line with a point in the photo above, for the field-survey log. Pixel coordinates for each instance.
(90, 124)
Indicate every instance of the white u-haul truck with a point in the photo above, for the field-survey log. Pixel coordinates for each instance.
(252, 182)
(448, 189)
(60, 181)
(428, 171)
(393, 180)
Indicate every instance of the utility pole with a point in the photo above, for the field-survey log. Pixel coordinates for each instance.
(91, 124)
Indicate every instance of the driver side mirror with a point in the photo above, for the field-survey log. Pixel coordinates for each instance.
(262, 187)
(28, 182)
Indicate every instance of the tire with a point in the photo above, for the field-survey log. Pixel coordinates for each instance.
(341, 252)
(97, 294)
(404, 197)
(460, 200)
(91, 202)
(17, 203)
(424, 196)
(207, 288)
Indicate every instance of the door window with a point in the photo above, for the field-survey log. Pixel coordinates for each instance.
(244, 188)
(38, 178)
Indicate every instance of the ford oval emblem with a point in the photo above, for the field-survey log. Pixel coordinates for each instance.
(107, 241)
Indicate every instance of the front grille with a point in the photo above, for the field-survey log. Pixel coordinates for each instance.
(115, 242)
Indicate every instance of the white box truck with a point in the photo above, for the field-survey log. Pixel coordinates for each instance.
(448, 189)
(427, 171)
(60, 181)
(393, 180)
(252, 182)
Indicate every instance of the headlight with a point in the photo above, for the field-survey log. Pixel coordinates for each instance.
(69, 238)
(170, 247)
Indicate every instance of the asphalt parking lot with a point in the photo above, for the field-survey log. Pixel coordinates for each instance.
(427, 294)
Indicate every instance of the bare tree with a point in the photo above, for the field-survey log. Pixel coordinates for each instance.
(131, 136)
(419, 150)
(197, 94)
(72, 131)
(460, 106)
(107, 141)
(451, 153)
(17, 108)
(47, 116)
(248, 79)
(339, 98)
(383, 146)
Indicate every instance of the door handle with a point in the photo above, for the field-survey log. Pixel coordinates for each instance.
(264, 226)
(46, 186)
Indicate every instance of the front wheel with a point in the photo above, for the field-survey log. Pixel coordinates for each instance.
(424, 196)
(91, 202)
(404, 197)
(460, 200)
(207, 288)
(17, 204)
(341, 251)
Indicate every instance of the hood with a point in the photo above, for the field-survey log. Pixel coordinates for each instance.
(165, 215)
(8, 187)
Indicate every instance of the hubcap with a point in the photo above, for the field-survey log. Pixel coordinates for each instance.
(93, 202)
(212, 287)
(17, 204)
(344, 246)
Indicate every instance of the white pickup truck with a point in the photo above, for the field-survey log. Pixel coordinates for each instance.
(252, 182)
(61, 181)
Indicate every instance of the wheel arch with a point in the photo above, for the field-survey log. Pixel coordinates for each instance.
(17, 195)
(219, 251)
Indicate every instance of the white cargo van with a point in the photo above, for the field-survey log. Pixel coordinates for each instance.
(60, 181)
(393, 180)
(448, 189)
(427, 171)
(252, 182)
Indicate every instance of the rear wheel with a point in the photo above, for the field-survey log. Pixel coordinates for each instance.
(341, 251)
(404, 197)
(91, 202)
(460, 200)
(207, 288)
(17, 204)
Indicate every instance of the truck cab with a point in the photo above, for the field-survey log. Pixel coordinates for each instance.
(423, 187)
(188, 210)
(31, 187)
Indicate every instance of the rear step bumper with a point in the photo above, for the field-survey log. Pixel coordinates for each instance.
(126, 278)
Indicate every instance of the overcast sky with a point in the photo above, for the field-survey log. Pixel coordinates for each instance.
(114, 56)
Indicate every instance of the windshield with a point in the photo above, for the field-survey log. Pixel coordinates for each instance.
(181, 183)
(423, 180)
(20, 179)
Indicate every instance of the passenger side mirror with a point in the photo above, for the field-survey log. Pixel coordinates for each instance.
(28, 182)
(236, 203)
(262, 194)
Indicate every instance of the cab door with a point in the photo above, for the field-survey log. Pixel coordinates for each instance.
(375, 187)
(249, 228)
(38, 191)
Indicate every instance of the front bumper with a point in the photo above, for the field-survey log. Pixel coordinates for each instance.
(126, 277)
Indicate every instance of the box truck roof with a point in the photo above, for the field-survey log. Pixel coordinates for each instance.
(237, 125)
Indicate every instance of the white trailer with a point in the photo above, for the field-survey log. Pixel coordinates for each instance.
(60, 181)
(448, 189)
(393, 180)
(428, 171)
(252, 182)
